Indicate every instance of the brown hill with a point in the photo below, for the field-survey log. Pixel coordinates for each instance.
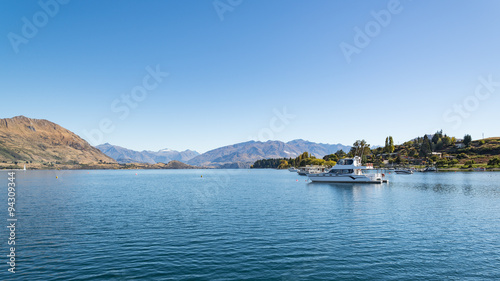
(41, 141)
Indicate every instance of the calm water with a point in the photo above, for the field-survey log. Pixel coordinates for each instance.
(252, 225)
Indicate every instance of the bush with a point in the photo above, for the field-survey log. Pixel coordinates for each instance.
(494, 161)
(462, 156)
(441, 163)
(469, 163)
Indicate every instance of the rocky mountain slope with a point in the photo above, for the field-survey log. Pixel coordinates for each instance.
(41, 141)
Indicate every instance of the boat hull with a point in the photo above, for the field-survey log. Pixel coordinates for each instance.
(403, 172)
(343, 179)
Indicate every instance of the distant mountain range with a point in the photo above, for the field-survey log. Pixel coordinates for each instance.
(44, 143)
(124, 155)
(240, 155)
(244, 154)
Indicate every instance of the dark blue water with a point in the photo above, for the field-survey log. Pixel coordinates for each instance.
(252, 225)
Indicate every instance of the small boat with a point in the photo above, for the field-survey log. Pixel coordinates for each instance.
(403, 171)
(430, 169)
(348, 170)
(480, 169)
(292, 169)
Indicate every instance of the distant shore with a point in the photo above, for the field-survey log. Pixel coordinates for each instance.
(163, 166)
(99, 166)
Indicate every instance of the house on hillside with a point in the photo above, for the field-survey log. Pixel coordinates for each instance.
(438, 154)
(459, 143)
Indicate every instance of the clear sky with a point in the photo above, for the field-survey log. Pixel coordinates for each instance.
(345, 70)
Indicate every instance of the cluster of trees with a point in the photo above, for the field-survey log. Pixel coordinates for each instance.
(419, 149)
(420, 146)
(389, 145)
(446, 162)
(436, 143)
(267, 163)
(301, 161)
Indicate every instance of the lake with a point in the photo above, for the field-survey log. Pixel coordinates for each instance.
(251, 225)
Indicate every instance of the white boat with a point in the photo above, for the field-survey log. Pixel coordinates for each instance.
(348, 170)
(292, 169)
(403, 171)
(430, 169)
(304, 171)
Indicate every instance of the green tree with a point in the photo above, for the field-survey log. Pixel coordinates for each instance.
(425, 148)
(283, 164)
(467, 140)
(391, 145)
(331, 157)
(446, 141)
(340, 154)
(439, 144)
(438, 135)
(360, 147)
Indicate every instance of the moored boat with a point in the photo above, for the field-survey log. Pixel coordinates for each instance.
(430, 169)
(403, 171)
(348, 170)
(304, 171)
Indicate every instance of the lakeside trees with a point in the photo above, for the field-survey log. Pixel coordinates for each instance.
(433, 149)
(302, 160)
(389, 145)
(359, 148)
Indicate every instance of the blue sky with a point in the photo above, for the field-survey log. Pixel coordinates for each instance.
(229, 72)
